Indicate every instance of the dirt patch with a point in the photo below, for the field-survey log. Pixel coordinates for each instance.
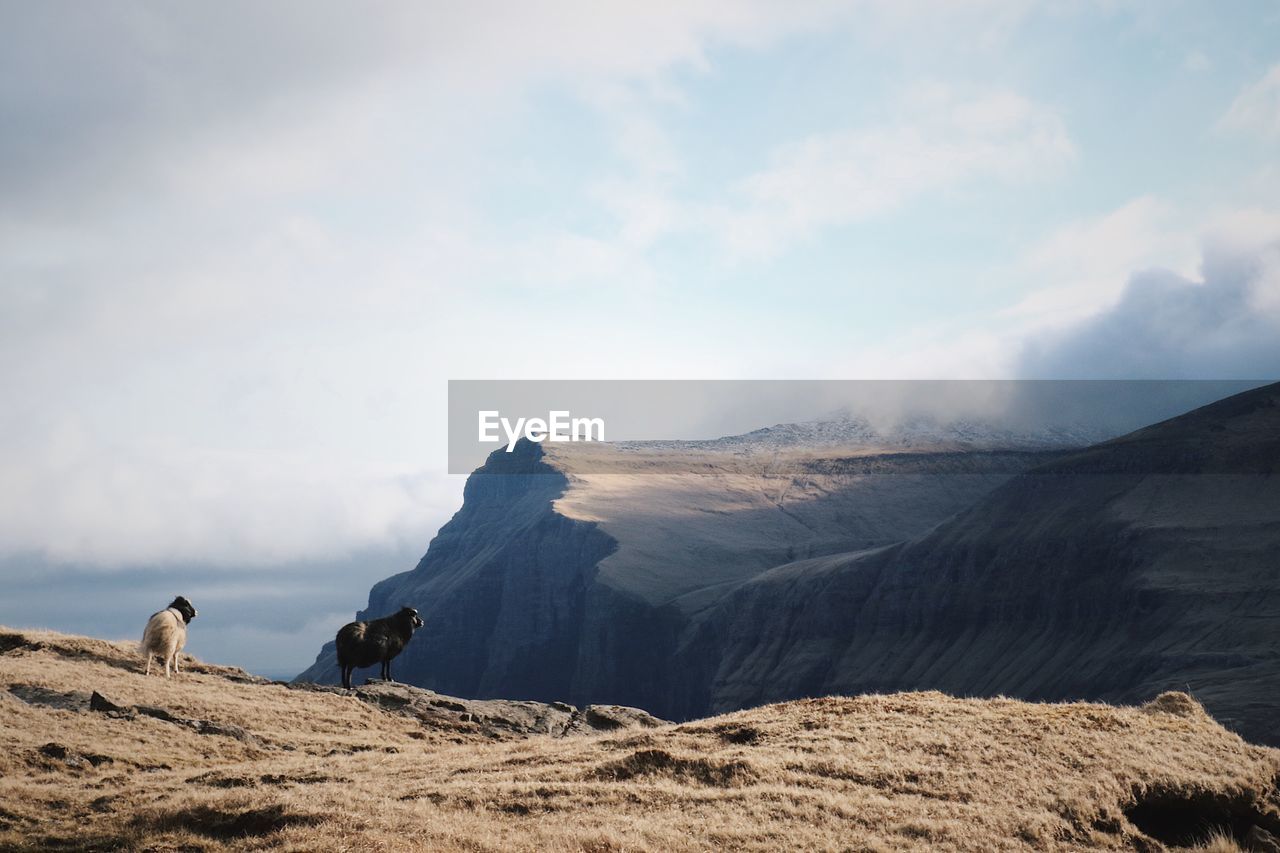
(300, 779)
(1182, 818)
(57, 756)
(226, 824)
(213, 779)
(737, 733)
(10, 643)
(660, 763)
(71, 700)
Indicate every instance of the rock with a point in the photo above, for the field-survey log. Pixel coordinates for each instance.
(449, 704)
(100, 703)
(55, 750)
(158, 713)
(75, 760)
(499, 717)
(613, 717)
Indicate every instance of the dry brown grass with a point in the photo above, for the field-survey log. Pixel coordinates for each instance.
(331, 772)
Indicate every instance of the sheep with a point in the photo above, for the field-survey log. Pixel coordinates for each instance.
(166, 634)
(376, 641)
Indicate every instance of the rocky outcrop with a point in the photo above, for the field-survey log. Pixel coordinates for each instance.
(502, 590)
(497, 717)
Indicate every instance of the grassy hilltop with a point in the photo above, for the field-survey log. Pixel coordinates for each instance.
(217, 760)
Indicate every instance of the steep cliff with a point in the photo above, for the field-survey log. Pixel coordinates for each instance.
(502, 589)
(578, 573)
(1144, 563)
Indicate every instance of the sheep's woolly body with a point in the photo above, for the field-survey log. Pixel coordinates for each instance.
(361, 644)
(164, 637)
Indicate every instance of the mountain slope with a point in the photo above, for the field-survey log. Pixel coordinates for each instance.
(575, 573)
(1144, 563)
(298, 770)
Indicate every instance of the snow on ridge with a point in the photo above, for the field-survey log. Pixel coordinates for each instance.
(910, 434)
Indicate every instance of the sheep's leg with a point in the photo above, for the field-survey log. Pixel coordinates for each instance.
(166, 668)
(175, 663)
(148, 672)
(387, 666)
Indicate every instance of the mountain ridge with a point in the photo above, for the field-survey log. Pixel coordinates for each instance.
(690, 581)
(1135, 543)
(573, 573)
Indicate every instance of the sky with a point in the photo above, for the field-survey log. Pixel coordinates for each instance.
(243, 247)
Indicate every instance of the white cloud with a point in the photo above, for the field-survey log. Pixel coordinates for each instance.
(834, 179)
(246, 97)
(231, 290)
(1150, 289)
(1223, 325)
(1082, 266)
(1257, 108)
(70, 497)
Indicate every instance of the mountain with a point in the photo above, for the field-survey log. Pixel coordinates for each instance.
(834, 558)
(95, 756)
(576, 572)
(1143, 563)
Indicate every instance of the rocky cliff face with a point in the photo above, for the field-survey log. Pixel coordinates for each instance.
(502, 589)
(577, 575)
(1144, 563)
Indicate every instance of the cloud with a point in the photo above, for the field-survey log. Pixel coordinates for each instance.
(1095, 279)
(1081, 266)
(1225, 325)
(230, 291)
(943, 140)
(71, 499)
(1257, 108)
(112, 104)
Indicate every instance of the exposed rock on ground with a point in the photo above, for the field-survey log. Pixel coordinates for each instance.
(495, 716)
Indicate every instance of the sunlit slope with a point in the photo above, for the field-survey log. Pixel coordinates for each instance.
(297, 770)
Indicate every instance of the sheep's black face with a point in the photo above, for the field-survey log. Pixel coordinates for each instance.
(414, 619)
(184, 607)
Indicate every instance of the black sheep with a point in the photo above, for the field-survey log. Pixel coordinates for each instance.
(376, 641)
